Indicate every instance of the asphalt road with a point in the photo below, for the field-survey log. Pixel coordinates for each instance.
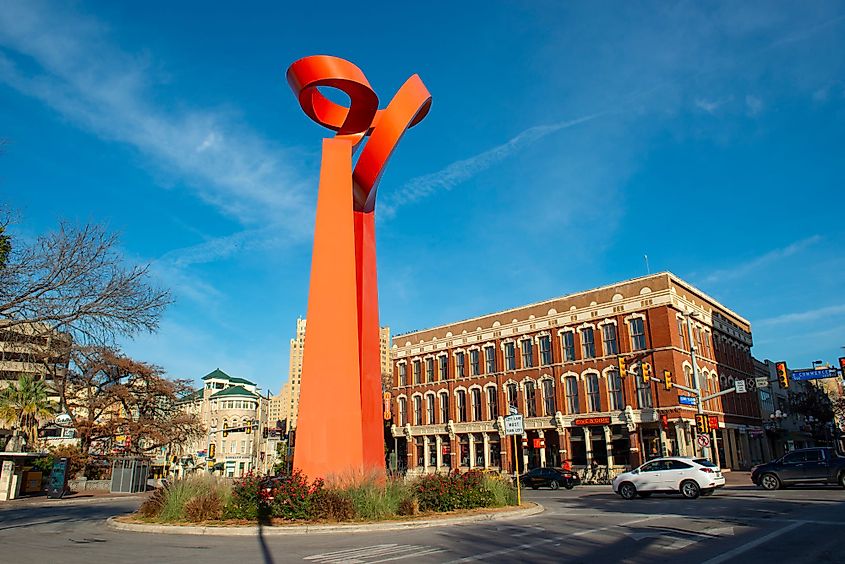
(588, 524)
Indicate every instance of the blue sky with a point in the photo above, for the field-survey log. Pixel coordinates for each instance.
(565, 142)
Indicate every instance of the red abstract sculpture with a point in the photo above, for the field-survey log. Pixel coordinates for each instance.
(339, 426)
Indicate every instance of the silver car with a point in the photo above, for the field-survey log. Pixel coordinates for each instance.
(691, 477)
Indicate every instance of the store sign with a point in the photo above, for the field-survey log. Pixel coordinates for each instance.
(63, 420)
(584, 421)
(539, 443)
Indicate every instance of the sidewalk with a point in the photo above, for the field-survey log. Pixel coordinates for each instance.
(738, 478)
(90, 496)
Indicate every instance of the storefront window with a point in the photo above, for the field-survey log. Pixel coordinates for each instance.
(495, 451)
(432, 452)
(464, 450)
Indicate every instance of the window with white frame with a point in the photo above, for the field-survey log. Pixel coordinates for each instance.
(570, 388)
(492, 403)
(403, 411)
(588, 344)
(429, 369)
(429, 409)
(568, 341)
(530, 399)
(474, 362)
(490, 359)
(416, 372)
(510, 356)
(444, 407)
(549, 406)
(461, 401)
(513, 395)
(593, 395)
(614, 390)
(444, 367)
(460, 368)
(545, 350)
(608, 334)
(418, 410)
(527, 353)
(475, 395)
(644, 396)
(637, 334)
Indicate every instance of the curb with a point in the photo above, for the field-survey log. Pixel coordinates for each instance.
(44, 502)
(521, 513)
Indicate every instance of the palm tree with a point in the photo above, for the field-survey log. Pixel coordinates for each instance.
(24, 403)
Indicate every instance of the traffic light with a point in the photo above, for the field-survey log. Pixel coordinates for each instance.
(225, 430)
(667, 380)
(623, 367)
(248, 427)
(842, 366)
(783, 375)
(664, 421)
(702, 423)
(646, 370)
(212, 450)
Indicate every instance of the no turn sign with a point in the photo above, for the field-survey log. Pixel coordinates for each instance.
(703, 440)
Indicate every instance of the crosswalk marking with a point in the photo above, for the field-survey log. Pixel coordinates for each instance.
(373, 554)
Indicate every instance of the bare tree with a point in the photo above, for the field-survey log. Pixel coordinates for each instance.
(109, 395)
(75, 281)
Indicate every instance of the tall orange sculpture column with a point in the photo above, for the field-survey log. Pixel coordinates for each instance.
(339, 426)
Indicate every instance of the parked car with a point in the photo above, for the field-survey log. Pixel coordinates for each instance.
(691, 477)
(819, 465)
(550, 477)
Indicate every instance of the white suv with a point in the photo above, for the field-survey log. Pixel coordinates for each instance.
(689, 476)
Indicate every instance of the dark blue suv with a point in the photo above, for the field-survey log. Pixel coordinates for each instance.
(820, 465)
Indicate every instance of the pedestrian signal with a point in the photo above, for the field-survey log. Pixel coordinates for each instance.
(702, 423)
(783, 374)
(667, 380)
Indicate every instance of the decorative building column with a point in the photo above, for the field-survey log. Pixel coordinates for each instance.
(486, 450)
(524, 451)
(680, 438)
(588, 444)
(439, 444)
(542, 435)
(563, 437)
(425, 453)
(608, 444)
(504, 445)
(663, 440)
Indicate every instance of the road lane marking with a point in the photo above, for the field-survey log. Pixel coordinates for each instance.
(725, 556)
(557, 538)
(372, 554)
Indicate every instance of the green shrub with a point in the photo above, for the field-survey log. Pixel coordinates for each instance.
(503, 491)
(332, 505)
(204, 507)
(448, 492)
(293, 497)
(177, 495)
(248, 499)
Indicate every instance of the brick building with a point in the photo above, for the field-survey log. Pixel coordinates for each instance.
(557, 362)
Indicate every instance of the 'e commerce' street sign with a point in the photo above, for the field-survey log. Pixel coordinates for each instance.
(817, 374)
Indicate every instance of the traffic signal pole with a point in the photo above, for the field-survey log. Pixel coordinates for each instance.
(705, 451)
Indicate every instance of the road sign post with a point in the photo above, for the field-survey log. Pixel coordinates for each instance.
(514, 426)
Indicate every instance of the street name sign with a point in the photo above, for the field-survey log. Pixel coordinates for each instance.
(817, 374)
(513, 425)
(686, 400)
(762, 382)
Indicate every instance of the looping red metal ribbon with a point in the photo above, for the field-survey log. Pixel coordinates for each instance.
(362, 118)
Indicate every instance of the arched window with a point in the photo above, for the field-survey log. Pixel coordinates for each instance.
(644, 397)
(429, 409)
(593, 396)
(476, 404)
(492, 403)
(571, 389)
(513, 395)
(549, 397)
(444, 407)
(614, 390)
(417, 410)
(462, 405)
(403, 411)
(530, 399)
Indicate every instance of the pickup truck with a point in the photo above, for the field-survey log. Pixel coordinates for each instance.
(821, 465)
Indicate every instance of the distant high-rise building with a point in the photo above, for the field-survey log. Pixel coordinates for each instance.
(297, 347)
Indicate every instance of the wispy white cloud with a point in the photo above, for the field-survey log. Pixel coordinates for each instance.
(754, 105)
(462, 170)
(755, 264)
(66, 61)
(709, 106)
(803, 316)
